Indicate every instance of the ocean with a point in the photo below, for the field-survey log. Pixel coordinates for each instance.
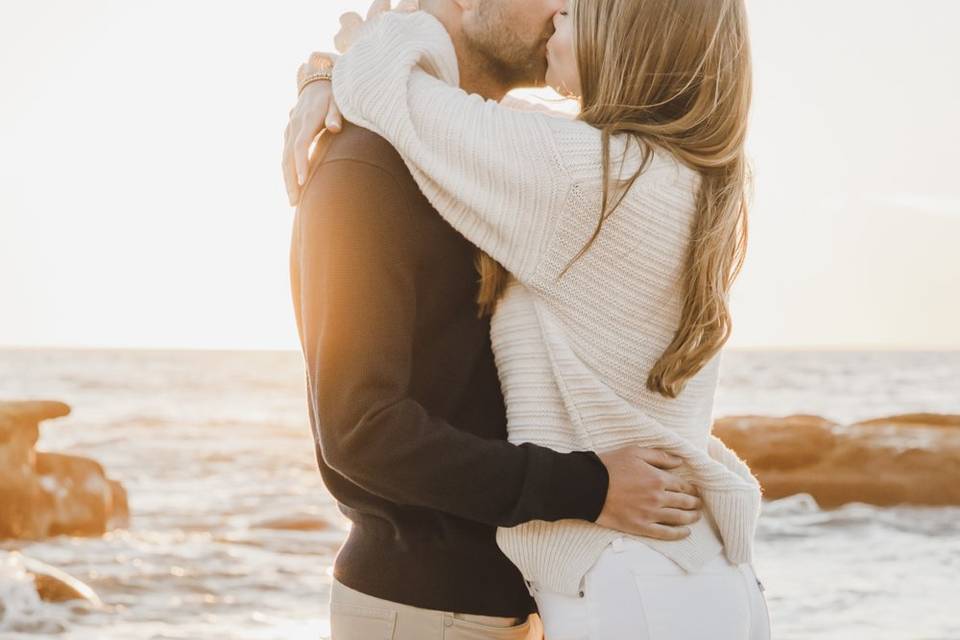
(214, 449)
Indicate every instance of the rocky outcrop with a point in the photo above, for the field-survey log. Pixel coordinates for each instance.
(43, 494)
(26, 582)
(54, 585)
(904, 459)
(910, 459)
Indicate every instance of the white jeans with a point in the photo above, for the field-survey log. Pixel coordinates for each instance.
(633, 592)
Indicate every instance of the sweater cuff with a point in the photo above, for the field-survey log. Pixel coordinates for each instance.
(576, 488)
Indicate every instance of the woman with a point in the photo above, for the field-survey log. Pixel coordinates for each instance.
(623, 230)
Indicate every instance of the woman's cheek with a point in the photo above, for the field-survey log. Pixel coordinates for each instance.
(568, 65)
(553, 68)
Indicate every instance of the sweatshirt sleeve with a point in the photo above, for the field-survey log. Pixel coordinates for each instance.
(494, 173)
(355, 299)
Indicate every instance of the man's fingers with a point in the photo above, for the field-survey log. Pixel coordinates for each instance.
(664, 532)
(681, 500)
(660, 458)
(334, 121)
(377, 7)
(674, 482)
(677, 517)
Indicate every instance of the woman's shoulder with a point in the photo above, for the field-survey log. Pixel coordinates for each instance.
(663, 166)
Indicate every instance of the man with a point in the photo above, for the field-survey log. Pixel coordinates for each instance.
(404, 401)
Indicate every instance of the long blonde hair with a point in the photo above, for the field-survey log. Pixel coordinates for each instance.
(676, 74)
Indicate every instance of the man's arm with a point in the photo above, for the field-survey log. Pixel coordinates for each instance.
(355, 299)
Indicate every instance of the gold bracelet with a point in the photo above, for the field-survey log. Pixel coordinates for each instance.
(316, 76)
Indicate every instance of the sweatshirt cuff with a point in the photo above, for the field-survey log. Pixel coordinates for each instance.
(576, 486)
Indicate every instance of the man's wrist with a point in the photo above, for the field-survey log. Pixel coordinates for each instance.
(574, 486)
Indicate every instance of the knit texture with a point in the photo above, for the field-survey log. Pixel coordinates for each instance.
(573, 352)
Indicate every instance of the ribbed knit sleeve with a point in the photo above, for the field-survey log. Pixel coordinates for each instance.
(493, 172)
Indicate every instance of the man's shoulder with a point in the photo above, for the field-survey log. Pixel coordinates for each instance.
(354, 143)
(359, 179)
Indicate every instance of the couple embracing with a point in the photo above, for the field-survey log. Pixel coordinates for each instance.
(512, 319)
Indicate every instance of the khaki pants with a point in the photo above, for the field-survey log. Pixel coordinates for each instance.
(358, 616)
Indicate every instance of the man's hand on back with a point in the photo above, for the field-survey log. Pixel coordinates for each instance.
(644, 498)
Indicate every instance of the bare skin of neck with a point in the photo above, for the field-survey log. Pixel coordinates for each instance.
(475, 76)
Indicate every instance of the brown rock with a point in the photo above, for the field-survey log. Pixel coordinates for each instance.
(44, 494)
(54, 585)
(916, 419)
(84, 499)
(777, 443)
(25, 509)
(33, 411)
(909, 459)
(293, 523)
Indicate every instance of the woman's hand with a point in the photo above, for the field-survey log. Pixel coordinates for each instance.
(351, 22)
(316, 109)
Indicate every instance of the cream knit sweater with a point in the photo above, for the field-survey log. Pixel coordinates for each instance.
(573, 352)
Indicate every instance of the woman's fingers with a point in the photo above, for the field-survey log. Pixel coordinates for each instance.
(377, 7)
(351, 20)
(334, 121)
(290, 180)
(301, 153)
(349, 24)
(309, 118)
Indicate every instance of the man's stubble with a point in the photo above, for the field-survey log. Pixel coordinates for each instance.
(513, 58)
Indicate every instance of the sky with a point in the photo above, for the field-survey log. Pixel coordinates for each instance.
(142, 203)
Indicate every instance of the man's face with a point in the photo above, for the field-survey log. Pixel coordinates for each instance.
(512, 35)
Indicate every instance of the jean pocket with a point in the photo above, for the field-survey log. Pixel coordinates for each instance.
(468, 627)
(357, 622)
(706, 605)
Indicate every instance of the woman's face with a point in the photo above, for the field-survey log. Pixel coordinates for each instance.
(563, 73)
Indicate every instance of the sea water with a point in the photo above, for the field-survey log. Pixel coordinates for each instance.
(232, 534)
